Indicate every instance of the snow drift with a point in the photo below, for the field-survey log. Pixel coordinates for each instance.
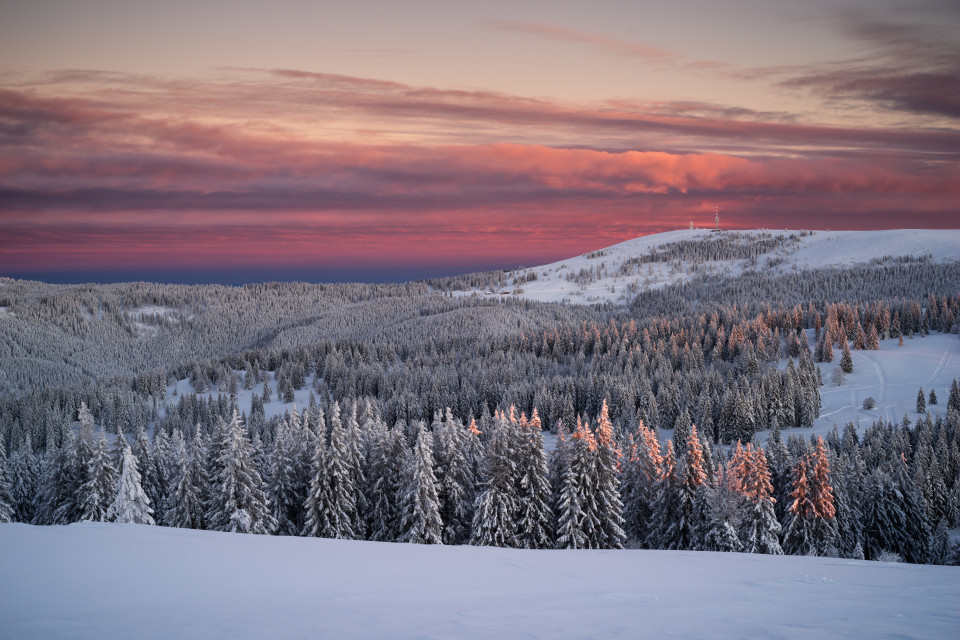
(131, 581)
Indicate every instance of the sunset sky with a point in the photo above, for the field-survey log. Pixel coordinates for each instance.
(374, 140)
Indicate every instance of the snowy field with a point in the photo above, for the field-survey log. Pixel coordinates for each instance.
(891, 376)
(128, 581)
(821, 249)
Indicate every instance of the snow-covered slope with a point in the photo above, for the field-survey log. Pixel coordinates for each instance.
(799, 250)
(128, 581)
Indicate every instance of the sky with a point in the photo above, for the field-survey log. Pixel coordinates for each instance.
(237, 141)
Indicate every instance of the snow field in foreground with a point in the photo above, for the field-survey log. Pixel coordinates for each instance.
(127, 581)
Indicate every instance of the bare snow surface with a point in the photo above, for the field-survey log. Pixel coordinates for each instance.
(128, 581)
(819, 249)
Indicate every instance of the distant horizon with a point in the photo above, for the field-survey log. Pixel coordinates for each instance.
(380, 274)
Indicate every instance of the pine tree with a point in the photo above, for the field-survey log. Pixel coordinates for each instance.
(497, 507)
(341, 501)
(186, 506)
(724, 512)
(535, 530)
(285, 478)
(57, 484)
(610, 504)
(760, 528)
(131, 505)
(98, 491)
(79, 463)
(921, 402)
(685, 526)
(455, 480)
(681, 428)
(238, 503)
(917, 533)
(578, 521)
(846, 360)
(6, 499)
(933, 397)
(665, 519)
(392, 458)
(317, 506)
(811, 526)
(421, 507)
(355, 463)
(641, 475)
(149, 479)
(940, 545)
(873, 339)
(24, 472)
(884, 521)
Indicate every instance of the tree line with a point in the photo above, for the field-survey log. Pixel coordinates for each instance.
(890, 493)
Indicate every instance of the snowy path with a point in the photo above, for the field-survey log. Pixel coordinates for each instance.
(891, 376)
(127, 581)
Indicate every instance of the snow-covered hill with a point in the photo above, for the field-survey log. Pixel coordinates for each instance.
(128, 581)
(618, 272)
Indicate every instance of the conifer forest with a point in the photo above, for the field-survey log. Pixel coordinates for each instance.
(446, 412)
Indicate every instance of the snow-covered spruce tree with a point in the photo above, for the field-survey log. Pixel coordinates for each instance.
(186, 506)
(760, 529)
(79, 449)
(391, 457)
(724, 510)
(681, 428)
(570, 503)
(846, 360)
(640, 479)
(149, 479)
(915, 522)
(921, 401)
(238, 503)
(54, 484)
(687, 529)
(421, 507)
(953, 400)
(557, 464)
(811, 524)
(455, 480)
(331, 501)
(884, 521)
(579, 517)
(162, 471)
(131, 505)
(495, 514)
(23, 469)
(610, 504)
(6, 500)
(317, 508)
(355, 463)
(285, 481)
(535, 529)
(940, 545)
(98, 491)
(847, 498)
(664, 517)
